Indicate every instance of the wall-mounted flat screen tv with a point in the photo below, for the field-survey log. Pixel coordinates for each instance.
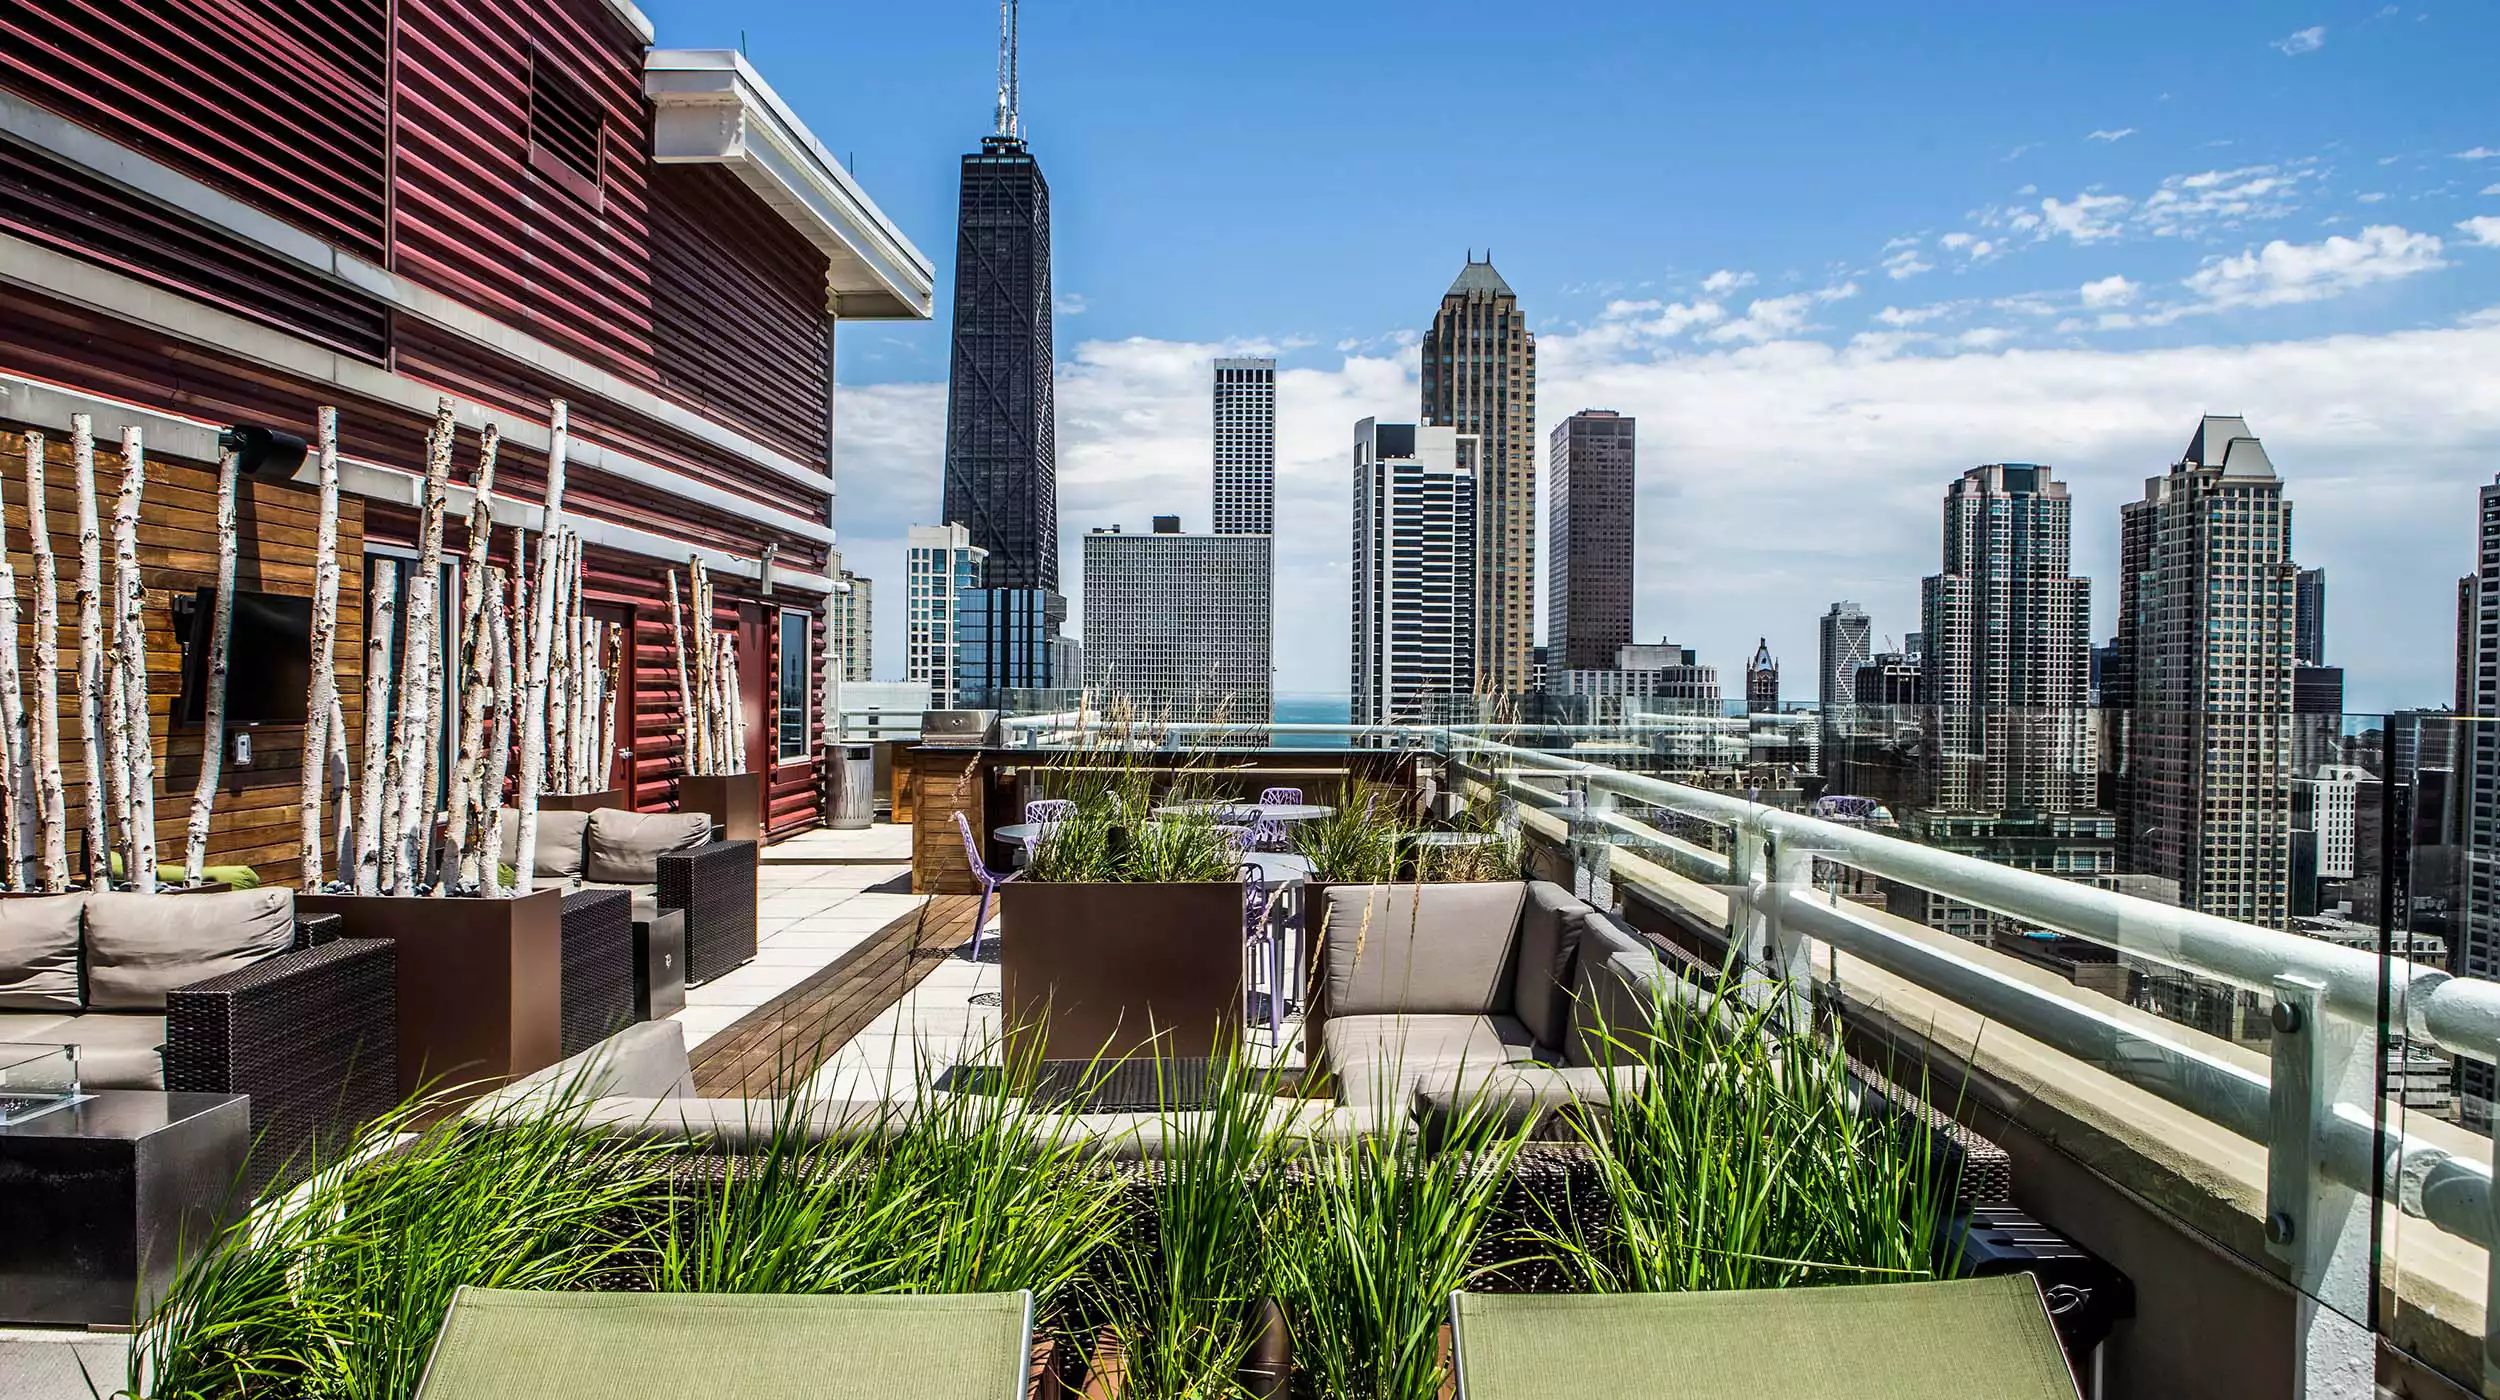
(268, 658)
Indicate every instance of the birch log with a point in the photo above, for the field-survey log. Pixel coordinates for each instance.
(542, 643)
(607, 711)
(322, 697)
(478, 579)
(685, 688)
(93, 686)
(560, 672)
(499, 750)
(416, 745)
(17, 807)
(131, 642)
(213, 717)
(51, 806)
(382, 612)
(343, 781)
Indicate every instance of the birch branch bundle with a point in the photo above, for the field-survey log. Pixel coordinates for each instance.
(542, 645)
(51, 807)
(213, 717)
(381, 615)
(94, 688)
(707, 681)
(488, 876)
(478, 580)
(614, 635)
(416, 745)
(685, 688)
(17, 805)
(131, 650)
(324, 718)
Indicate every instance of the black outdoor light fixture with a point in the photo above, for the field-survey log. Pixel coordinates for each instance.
(258, 450)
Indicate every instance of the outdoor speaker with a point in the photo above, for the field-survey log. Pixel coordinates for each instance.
(258, 450)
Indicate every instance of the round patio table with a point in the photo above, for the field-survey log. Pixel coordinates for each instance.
(1267, 811)
(1450, 838)
(1019, 832)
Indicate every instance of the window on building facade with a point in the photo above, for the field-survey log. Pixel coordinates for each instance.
(567, 134)
(790, 727)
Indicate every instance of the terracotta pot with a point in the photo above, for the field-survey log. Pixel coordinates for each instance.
(735, 800)
(1114, 969)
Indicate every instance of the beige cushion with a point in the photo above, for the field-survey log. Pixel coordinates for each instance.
(625, 847)
(39, 952)
(646, 898)
(118, 1050)
(141, 946)
(559, 852)
(1544, 1100)
(1420, 949)
(32, 1027)
(1549, 934)
(1377, 1058)
(1615, 999)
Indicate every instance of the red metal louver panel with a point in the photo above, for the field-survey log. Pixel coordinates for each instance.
(738, 300)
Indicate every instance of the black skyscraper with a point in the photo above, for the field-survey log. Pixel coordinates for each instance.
(1002, 478)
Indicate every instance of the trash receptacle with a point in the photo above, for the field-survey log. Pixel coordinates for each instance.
(854, 786)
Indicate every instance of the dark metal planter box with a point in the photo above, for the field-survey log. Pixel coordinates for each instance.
(1114, 969)
(480, 982)
(735, 800)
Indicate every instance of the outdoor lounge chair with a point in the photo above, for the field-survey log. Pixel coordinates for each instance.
(499, 1343)
(1967, 1339)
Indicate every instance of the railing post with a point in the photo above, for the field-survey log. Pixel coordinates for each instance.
(1784, 947)
(2312, 1224)
(1747, 858)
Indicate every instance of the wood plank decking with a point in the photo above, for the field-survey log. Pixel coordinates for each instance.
(787, 1038)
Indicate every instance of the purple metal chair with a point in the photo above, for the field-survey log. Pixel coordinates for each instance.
(1260, 941)
(1049, 809)
(1281, 796)
(990, 880)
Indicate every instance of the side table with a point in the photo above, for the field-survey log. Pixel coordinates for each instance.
(98, 1200)
(660, 965)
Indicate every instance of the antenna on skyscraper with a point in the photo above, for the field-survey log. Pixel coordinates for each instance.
(1010, 123)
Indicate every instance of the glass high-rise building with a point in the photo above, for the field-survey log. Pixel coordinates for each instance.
(1414, 552)
(1245, 447)
(941, 566)
(1176, 626)
(1588, 523)
(1479, 377)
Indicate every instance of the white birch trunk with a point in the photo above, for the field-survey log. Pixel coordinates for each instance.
(343, 782)
(560, 674)
(51, 807)
(17, 806)
(499, 754)
(94, 687)
(611, 678)
(213, 717)
(420, 672)
(478, 579)
(382, 613)
(685, 689)
(131, 639)
(542, 644)
(322, 712)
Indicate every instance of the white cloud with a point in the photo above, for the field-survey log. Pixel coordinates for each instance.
(2120, 134)
(1777, 318)
(1905, 264)
(2478, 153)
(1067, 303)
(1724, 281)
(2301, 41)
(2484, 230)
(2088, 218)
(1900, 316)
(2282, 272)
(2190, 205)
(2491, 189)
(2373, 197)
(2113, 290)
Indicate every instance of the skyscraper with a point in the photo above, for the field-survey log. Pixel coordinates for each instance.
(1479, 373)
(2309, 618)
(1245, 447)
(850, 634)
(2477, 745)
(2205, 614)
(1762, 681)
(1177, 625)
(1588, 556)
(1002, 479)
(941, 565)
(1847, 640)
(1413, 562)
(2008, 647)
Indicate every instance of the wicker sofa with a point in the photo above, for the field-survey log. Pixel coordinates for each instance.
(663, 861)
(216, 993)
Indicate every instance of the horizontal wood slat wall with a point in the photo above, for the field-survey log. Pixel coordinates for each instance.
(255, 821)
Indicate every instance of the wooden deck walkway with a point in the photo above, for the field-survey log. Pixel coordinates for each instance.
(783, 1041)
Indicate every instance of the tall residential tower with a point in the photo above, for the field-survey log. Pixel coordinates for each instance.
(1479, 372)
(1588, 556)
(1245, 447)
(1414, 615)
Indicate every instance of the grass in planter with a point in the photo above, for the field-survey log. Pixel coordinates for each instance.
(1368, 1246)
(1358, 843)
(1744, 1161)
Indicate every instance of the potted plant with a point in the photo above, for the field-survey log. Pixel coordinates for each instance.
(1124, 934)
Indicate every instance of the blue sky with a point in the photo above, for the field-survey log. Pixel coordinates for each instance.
(1830, 257)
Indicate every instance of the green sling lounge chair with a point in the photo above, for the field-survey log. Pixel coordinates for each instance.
(1969, 1339)
(498, 1344)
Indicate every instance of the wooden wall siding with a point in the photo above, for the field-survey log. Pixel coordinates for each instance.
(472, 219)
(85, 216)
(738, 298)
(255, 820)
(279, 103)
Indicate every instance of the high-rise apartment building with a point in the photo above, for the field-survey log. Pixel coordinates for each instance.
(1479, 376)
(1413, 565)
(1846, 639)
(1177, 626)
(2205, 620)
(2008, 658)
(850, 639)
(2309, 617)
(1245, 448)
(1002, 480)
(941, 565)
(1588, 555)
(2477, 745)
(1762, 681)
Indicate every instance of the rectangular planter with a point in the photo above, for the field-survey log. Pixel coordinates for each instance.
(480, 982)
(1115, 969)
(581, 801)
(735, 800)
